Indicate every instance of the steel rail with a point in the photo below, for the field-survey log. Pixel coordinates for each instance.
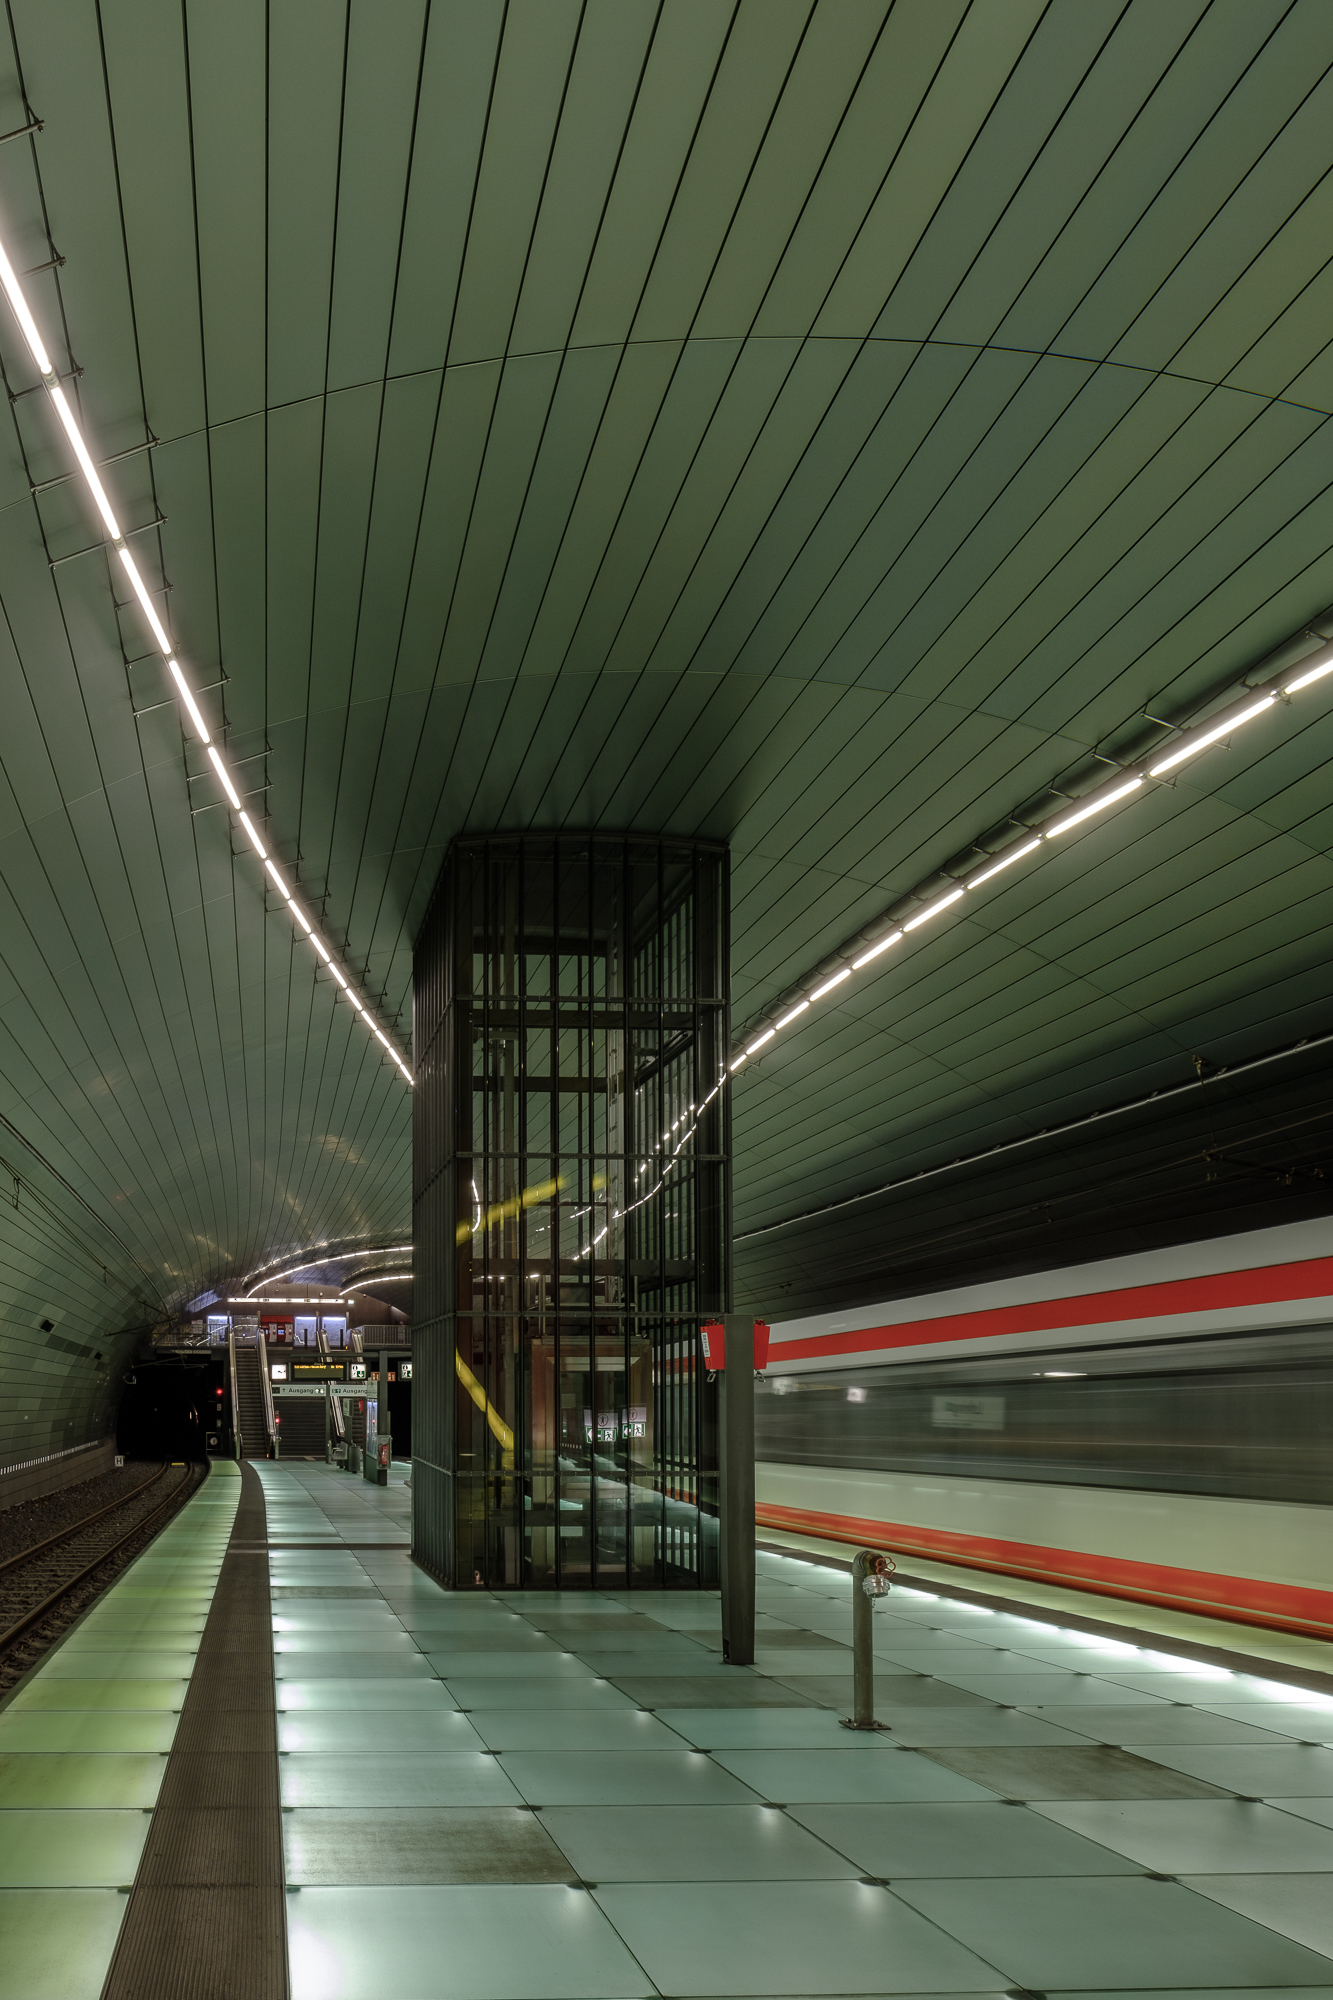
(49, 1603)
(24, 1555)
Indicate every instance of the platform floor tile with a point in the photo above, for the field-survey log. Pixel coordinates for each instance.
(420, 1844)
(1299, 1907)
(683, 1843)
(74, 1778)
(570, 1794)
(65, 1847)
(1201, 1836)
(1068, 1771)
(409, 1778)
(772, 1938)
(56, 1944)
(343, 1691)
(622, 1777)
(77, 1729)
(1310, 1719)
(538, 1942)
(954, 1840)
(325, 1732)
(566, 1729)
(867, 1769)
(1256, 1769)
(1083, 1932)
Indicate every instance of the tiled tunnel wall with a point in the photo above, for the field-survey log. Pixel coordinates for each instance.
(69, 1324)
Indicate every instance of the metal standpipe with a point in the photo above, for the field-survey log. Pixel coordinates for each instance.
(870, 1580)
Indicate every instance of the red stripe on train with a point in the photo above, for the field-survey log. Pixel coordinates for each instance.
(1244, 1600)
(1268, 1285)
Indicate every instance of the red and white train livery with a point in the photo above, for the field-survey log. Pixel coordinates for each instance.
(1156, 1427)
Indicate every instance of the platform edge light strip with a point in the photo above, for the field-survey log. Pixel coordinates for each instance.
(1131, 780)
(84, 460)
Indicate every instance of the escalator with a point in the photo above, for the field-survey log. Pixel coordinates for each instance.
(251, 1417)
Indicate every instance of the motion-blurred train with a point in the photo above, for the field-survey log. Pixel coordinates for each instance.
(1156, 1427)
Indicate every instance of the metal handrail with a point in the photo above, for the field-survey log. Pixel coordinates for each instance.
(335, 1402)
(235, 1399)
(261, 1350)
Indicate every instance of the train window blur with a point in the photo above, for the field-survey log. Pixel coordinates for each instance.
(1249, 1416)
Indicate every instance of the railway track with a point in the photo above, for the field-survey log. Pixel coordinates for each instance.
(45, 1587)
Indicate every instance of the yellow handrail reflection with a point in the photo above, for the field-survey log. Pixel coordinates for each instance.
(499, 1211)
(503, 1434)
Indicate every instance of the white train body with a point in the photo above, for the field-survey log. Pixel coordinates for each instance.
(1232, 1304)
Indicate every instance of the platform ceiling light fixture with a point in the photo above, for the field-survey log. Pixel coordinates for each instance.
(1217, 728)
(336, 1257)
(275, 1299)
(83, 457)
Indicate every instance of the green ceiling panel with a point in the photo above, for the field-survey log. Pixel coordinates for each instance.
(821, 424)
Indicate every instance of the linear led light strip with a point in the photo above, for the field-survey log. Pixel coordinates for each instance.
(1255, 702)
(69, 424)
(261, 1277)
(316, 1305)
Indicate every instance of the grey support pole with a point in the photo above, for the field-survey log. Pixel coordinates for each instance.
(328, 1423)
(870, 1579)
(737, 1491)
(382, 1419)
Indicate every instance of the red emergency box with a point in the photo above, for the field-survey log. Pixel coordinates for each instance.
(713, 1335)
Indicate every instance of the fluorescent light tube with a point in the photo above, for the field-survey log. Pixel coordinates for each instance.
(739, 1060)
(255, 841)
(875, 950)
(765, 1037)
(1006, 860)
(196, 716)
(799, 1008)
(1311, 670)
(829, 984)
(86, 466)
(933, 910)
(221, 770)
(140, 590)
(27, 323)
(1086, 812)
(1200, 741)
(92, 478)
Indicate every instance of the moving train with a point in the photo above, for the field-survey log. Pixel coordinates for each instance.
(1157, 1427)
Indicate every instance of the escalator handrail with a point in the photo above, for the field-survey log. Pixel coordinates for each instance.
(235, 1399)
(325, 1353)
(261, 1355)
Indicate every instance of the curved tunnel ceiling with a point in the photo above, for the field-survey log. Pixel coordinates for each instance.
(824, 427)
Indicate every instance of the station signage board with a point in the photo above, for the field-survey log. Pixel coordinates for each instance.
(347, 1391)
